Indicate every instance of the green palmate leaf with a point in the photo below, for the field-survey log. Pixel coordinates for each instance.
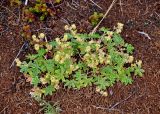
(138, 71)
(126, 80)
(24, 67)
(95, 35)
(49, 90)
(84, 36)
(32, 57)
(82, 80)
(129, 48)
(35, 80)
(53, 43)
(118, 39)
(41, 52)
(49, 64)
(103, 29)
(70, 83)
(101, 82)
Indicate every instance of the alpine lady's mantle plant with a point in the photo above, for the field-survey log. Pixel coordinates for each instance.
(79, 60)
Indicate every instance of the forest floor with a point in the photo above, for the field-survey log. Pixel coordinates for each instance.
(141, 97)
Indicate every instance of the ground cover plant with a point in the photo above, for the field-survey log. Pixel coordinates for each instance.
(79, 60)
(39, 9)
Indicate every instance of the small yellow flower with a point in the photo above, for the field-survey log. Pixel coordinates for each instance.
(66, 27)
(110, 33)
(56, 86)
(49, 47)
(120, 25)
(53, 79)
(101, 59)
(73, 26)
(74, 33)
(105, 94)
(71, 67)
(108, 38)
(118, 30)
(36, 47)
(18, 62)
(139, 63)
(43, 80)
(41, 35)
(79, 39)
(65, 37)
(62, 61)
(97, 46)
(98, 89)
(57, 57)
(133, 65)
(101, 92)
(34, 36)
(58, 40)
(36, 92)
(88, 48)
(91, 42)
(108, 61)
(67, 56)
(130, 59)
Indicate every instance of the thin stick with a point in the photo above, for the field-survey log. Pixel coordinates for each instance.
(26, 2)
(17, 54)
(96, 4)
(120, 3)
(95, 29)
(116, 104)
(145, 34)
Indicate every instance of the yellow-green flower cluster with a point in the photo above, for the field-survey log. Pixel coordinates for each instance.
(94, 59)
(18, 62)
(103, 93)
(71, 69)
(91, 60)
(109, 35)
(119, 27)
(39, 39)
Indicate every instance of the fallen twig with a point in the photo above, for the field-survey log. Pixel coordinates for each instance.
(95, 29)
(116, 104)
(21, 49)
(96, 4)
(4, 109)
(145, 34)
(26, 2)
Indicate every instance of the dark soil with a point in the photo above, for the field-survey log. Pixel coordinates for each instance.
(141, 97)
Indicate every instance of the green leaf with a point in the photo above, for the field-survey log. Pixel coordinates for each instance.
(32, 57)
(35, 80)
(41, 52)
(53, 43)
(70, 83)
(118, 39)
(95, 35)
(129, 48)
(49, 90)
(103, 29)
(138, 71)
(101, 82)
(126, 80)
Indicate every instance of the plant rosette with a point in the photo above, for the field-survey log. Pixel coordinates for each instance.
(78, 60)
